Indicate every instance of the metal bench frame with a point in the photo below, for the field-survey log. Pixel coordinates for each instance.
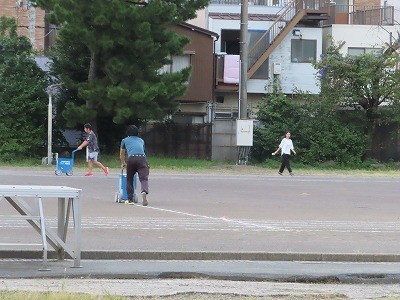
(68, 201)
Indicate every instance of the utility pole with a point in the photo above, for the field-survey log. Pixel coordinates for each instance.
(243, 60)
(244, 127)
(51, 91)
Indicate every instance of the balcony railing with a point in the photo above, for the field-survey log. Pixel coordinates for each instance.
(361, 15)
(251, 2)
(321, 6)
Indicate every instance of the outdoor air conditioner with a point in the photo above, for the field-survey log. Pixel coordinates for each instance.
(276, 68)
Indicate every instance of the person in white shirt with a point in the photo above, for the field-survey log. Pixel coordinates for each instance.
(286, 148)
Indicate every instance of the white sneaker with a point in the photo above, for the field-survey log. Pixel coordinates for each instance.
(144, 199)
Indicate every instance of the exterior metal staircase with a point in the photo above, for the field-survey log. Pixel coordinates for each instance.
(291, 15)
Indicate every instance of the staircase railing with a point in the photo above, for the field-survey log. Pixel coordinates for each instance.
(273, 32)
(293, 12)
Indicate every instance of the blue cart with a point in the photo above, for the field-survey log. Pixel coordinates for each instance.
(65, 165)
(121, 195)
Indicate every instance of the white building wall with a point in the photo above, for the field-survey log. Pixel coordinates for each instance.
(359, 36)
(294, 75)
(299, 76)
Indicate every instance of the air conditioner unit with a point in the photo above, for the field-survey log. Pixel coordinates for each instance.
(276, 68)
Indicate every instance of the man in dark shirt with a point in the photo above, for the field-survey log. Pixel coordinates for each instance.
(93, 149)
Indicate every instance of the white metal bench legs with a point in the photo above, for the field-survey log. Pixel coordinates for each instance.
(58, 241)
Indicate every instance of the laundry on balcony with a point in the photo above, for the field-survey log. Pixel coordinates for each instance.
(231, 68)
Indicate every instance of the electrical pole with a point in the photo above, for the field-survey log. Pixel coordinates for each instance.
(51, 91)
(244, 127)
(50, 130)
(243, 60)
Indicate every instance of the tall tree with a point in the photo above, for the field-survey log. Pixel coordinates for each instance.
(23, 101)
(368, 81)
(126, 47)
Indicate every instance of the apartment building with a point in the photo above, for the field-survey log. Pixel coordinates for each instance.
(284, 37)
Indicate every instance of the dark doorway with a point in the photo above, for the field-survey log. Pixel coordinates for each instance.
(230, 41)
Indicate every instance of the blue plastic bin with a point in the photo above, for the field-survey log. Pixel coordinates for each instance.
(122, 195)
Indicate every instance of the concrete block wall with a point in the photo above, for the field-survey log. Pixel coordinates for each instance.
(224, 140)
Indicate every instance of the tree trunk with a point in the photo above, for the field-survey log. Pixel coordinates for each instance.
(92, 76)
(372, 122)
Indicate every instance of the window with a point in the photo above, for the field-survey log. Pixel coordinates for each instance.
(226, 114)
(304, 51)
(179, 62)
(253, 37)
(188, 119)
(360, 51)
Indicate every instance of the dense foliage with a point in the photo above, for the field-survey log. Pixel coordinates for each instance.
(109, 56)
(319, 132)
(23, 101)
(369, 82)
(359, 95)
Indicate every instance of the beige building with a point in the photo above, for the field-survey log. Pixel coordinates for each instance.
(30, 20)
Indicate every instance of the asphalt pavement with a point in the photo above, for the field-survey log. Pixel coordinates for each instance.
(236, 224)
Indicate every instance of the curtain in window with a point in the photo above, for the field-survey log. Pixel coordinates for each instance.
(180, 62)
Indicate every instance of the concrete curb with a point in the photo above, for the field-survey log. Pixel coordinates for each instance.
(252, 256)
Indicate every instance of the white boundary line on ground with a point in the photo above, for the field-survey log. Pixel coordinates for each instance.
(223, 219)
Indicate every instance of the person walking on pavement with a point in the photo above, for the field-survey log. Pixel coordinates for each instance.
(286, 148)
(93, 149)
(132, 155)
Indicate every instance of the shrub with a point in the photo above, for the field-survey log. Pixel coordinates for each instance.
(319, 132)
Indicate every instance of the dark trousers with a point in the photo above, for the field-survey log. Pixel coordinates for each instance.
(137, 164)
(285, 163)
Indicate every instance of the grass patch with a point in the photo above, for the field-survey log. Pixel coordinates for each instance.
(23, 162)
(177, 164)
(112, 161)
(270, 166)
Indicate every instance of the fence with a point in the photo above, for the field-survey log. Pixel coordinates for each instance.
(361, 15)
(178, 140)
(386, 143)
